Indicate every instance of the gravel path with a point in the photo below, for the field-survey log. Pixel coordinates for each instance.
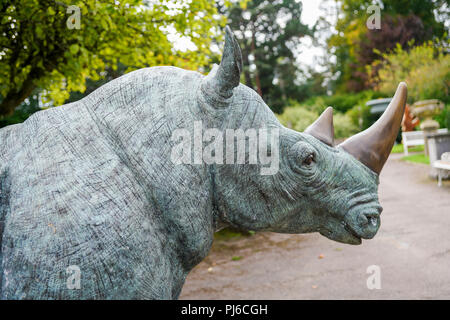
(412, 250)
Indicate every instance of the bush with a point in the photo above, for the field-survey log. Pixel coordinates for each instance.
(22, 112)
(343, 126)
(444, 117)
(299, 118)
(340, 102)
(425, 68)
(361, 117)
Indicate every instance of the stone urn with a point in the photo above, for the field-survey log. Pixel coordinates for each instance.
(425, 110)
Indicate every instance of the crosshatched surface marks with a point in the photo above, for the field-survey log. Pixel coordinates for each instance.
(91, 185)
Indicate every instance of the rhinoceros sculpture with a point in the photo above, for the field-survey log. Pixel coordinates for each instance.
(93, 205)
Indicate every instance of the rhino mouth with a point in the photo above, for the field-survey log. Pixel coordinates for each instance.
(343, 233)
(350, 231)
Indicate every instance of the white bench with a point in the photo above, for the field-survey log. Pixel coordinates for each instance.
(441, 165)
(415, 138)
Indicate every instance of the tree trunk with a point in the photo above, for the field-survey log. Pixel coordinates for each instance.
(14, 99)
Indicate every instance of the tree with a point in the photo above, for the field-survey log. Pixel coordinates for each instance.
(57, 45)
(426, 69)
(356, 47)
(268, 33)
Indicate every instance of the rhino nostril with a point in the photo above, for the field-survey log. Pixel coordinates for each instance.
(373, 221)
(370, 219)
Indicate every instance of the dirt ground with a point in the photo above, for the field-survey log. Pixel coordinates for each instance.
(412, 250)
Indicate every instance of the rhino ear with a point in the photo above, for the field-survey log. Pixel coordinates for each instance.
(219, 84)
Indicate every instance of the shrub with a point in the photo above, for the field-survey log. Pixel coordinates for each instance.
(22, 112)
(361, 117)
(425, 68)
(340, 102)
(343, 126)
(444, 117)
(299, 118)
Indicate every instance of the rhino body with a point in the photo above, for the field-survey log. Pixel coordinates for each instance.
(89, 186)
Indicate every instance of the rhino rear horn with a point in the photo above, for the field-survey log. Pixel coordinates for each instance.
(323, 129)
(373, 146)
(219, 84)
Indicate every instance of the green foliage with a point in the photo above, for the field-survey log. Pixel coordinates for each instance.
(398, 148)
(21, 113)
(401, 21)
(361, 117)
(343, 126)
(268, 33)
(416, 158)
(344, 102)
(360, 114)
(226, 234)
(341, 102)
(298, 118)
(40, 51)
(425, 68)
(231, 233)
(444, 117)
(353, 105)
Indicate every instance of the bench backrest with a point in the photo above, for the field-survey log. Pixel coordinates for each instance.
(417, 135)
(412, 135)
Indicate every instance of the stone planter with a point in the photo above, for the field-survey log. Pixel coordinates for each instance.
(425, 110)
(438, 143)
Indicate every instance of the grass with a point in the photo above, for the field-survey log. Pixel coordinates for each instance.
(417, 158)
(230, 233)
(398, 148)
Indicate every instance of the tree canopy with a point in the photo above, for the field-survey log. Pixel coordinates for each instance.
(355, 46)
(269, 33)
(57, 45)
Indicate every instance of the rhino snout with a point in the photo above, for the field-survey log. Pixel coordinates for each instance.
(365, 224)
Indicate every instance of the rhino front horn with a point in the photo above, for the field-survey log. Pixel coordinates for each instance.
(323, 129)
(373, 146)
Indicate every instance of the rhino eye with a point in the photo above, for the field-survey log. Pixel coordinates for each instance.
(309, 159)
(302, 157)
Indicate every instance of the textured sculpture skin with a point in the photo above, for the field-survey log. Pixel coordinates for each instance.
(91, 184)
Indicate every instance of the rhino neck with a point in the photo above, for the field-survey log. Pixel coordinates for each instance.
(218, 218)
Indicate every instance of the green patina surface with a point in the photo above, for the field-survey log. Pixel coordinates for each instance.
(91, 185)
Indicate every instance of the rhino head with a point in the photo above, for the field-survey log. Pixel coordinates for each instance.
(319, 187)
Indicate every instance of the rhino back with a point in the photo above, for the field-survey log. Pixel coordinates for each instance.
(90, 185)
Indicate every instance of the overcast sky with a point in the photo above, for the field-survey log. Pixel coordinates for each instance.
(307, 53)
